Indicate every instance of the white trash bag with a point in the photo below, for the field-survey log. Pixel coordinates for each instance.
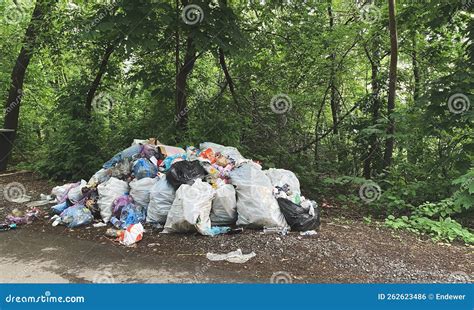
(100, 176)
(162, 195)
(191, 209)
(224, 206)
(73, 191)
(108, 192)
(256, 206)
(140, 192)
(280, 177)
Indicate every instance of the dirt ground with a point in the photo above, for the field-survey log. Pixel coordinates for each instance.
(344, 251)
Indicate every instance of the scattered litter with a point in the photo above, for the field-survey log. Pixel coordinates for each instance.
(276, 230)
(46, 197)
(235, 231)
(100, 224)
(56, 219)
(44, 200)
(114, 233)
(308, 233)
(133, 234)
(5, 227)
(50, 249)
(232, 257)
(19, 217)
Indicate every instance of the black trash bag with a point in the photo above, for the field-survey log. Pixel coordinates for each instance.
(185, 172)
(297, 217)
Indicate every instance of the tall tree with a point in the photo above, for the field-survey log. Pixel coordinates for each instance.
(374, 56)
(185, 69)
(98, 77)
(182, 83)
(392, 84)
(13, 102)
(332, 83)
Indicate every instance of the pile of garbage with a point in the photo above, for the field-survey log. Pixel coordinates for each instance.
(209, 190)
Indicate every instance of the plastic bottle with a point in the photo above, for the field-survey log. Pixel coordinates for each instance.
(114, 233)
(276, 230)
(5, 227)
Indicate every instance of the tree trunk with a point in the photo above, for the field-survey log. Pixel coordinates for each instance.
(12, 105)
(181, 85)
(176, 49)
(415, 149)
(374, 147)
(333, 94)
(389, 143)
(228, 78)
(416, 71)
(95, 84)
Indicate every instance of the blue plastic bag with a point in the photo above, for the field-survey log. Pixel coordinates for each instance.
(217, 230)
(168, 161)
(130, 215)
(57, 209)
(143, 168)
(76, 215)
(129, 153)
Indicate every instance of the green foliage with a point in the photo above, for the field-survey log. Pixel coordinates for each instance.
(445, 229)
(463, 199)
(286, 48)
(435, 218)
